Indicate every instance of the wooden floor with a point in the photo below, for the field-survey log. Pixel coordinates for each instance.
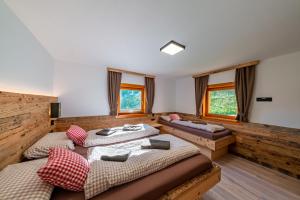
(245, 180)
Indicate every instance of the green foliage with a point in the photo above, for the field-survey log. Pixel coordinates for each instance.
(130, 100)
(222, 102)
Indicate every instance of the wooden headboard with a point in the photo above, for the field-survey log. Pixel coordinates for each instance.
(24, 118)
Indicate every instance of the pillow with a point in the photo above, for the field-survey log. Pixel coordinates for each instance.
(20, 181)
(41, 148)
(214, 128)
(174, 117)
(166, 117)
(65, 169)
(77, 134)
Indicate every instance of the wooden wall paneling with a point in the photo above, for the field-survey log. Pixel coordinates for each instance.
(105, 121)
(24, 118)
(272, 146)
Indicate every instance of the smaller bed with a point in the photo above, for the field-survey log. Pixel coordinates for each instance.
(213, 145)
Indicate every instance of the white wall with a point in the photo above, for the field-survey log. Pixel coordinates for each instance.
(164, 95)
(25, 66)
(82, 90)
(276, 77)
(185, 95)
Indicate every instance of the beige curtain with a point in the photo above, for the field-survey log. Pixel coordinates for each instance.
(244, 84)
(200, 89)
(113, 83)
(150, 93)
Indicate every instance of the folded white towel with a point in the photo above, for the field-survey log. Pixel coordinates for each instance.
(214, 128)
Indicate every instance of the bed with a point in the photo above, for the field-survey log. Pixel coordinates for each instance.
(186, 179)
(178, 173)
(213, 145)
(59, 139)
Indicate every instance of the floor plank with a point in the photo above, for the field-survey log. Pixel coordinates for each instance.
(242, 179)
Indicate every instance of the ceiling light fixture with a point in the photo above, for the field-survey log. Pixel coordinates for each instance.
(172, 48)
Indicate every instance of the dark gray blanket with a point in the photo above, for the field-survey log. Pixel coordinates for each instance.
(106, 132)
(116, 158)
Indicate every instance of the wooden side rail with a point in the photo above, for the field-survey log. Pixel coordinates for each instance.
(195, 188)
(211, 148)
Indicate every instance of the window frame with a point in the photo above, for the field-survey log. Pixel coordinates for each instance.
(205, 104)
(128, 86)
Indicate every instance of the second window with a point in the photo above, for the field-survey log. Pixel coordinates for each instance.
(220, 101)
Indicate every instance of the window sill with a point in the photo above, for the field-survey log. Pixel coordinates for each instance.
(220, 120)
(133, 115)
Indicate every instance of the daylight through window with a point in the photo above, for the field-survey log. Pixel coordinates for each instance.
(220, 101)
(131, 99)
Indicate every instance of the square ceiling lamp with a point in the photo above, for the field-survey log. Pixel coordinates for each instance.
(172, 48)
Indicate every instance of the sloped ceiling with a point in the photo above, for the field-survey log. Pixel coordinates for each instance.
(129, 33)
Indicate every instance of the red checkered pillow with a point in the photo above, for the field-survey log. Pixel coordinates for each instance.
(65, 169)
(77, 134)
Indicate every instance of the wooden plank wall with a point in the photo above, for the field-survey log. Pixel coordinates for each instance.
(272, 146)
(105, 121)
(24, 118)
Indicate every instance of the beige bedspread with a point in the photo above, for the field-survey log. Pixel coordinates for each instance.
(141, 162)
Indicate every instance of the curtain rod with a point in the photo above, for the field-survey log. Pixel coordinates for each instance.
(223, 69)
(128, 72)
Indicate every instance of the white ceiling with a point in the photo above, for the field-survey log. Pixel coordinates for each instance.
(128, 34)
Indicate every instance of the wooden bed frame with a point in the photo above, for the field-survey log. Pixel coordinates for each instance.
(213, 149)
(196, 187)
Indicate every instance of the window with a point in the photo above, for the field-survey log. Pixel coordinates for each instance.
(131, 99)
(220, 101)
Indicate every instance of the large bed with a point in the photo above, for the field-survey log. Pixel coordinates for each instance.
(174, 182)
(213, 145)
(186, 179)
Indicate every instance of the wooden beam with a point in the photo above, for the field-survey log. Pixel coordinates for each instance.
(128, 72)
(223, 69)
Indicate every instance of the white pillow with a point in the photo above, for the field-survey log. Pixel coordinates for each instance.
(166, 117)
(41, 148)
(20, 181)
(214, 128)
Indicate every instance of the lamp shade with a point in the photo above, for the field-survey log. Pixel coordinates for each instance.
(54, 110)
